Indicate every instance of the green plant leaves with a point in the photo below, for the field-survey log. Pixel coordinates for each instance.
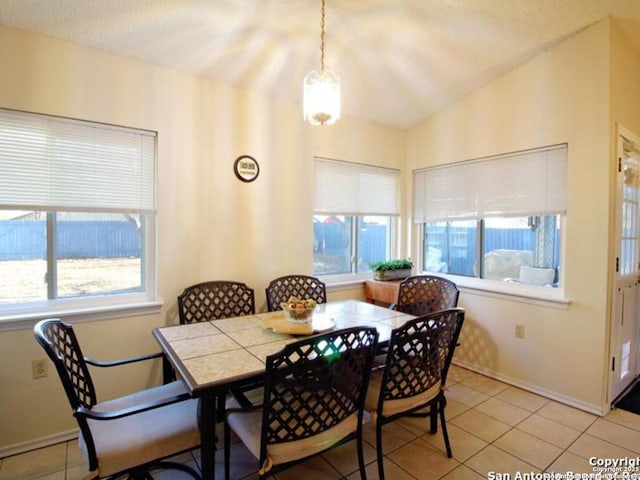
(398, 264)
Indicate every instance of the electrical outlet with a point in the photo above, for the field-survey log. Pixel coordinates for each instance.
(519, 331)
(39, 368)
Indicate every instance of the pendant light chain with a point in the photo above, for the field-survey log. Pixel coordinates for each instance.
(322, 39)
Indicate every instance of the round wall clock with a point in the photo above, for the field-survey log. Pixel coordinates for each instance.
(246, 168)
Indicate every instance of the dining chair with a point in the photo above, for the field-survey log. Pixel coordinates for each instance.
(423, 294)
(215, 300)
(126, 435)
(302, 286)
(218, 300)
(412, 379)
(313, 401)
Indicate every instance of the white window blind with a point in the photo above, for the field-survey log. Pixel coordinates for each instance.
(531, 182)
(354, 189)
(51, 163)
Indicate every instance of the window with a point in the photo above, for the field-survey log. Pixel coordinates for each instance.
(356, 211)
(629, 228)
(77, 211)
(497, 218)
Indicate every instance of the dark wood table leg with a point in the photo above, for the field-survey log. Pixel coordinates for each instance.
(168, 375)
(207, 425)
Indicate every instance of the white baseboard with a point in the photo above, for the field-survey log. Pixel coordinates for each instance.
(587, 407)
(41, 442)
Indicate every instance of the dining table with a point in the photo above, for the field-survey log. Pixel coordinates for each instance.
(215, 356)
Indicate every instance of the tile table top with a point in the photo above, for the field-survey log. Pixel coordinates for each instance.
(211, 354)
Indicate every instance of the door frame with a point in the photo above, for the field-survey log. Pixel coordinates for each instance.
(623, 287)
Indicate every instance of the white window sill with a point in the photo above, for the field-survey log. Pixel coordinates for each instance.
(519, 292)
(345, 282)
(26, 319)
(532, 294)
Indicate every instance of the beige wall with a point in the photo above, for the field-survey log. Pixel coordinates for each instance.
(210, 225)
(560, 96)
(625, 83)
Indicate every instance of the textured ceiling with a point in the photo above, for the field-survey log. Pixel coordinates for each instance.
(399, 60)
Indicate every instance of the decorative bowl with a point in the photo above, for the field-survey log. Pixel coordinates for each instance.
(299, 311)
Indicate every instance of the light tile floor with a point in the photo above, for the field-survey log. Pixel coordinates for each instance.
(493, 427)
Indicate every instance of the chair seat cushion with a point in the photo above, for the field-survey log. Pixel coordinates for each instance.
(143, 437)
(248, 425)
(392, 407)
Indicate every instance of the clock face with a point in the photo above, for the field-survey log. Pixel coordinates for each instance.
(246, 168)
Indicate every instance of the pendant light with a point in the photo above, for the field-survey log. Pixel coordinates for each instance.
(321, 100)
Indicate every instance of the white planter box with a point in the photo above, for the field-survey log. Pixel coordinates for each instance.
(391, 274)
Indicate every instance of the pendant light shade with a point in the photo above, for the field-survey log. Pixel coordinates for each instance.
(321, 102)
(321, 97)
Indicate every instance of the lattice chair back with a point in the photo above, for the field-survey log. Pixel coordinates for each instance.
(215, 300)
(424, 294)
(110, 438)
(419, 356)
(414, 374)
(301, 286)
(59, 341)
(316, 387)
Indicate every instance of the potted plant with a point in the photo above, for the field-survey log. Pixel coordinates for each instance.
(391, 269)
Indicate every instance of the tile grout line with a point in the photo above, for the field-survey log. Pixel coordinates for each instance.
(566, 450)
(511, 427)
(581, 431)
(515, 427)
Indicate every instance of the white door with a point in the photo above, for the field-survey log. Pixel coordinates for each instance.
(625, 331)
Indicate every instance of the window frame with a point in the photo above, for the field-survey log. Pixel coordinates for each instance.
(489, 287)
(99, 306)
(354, 276)
(500, 289)
(327, 198)
(95, 307)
